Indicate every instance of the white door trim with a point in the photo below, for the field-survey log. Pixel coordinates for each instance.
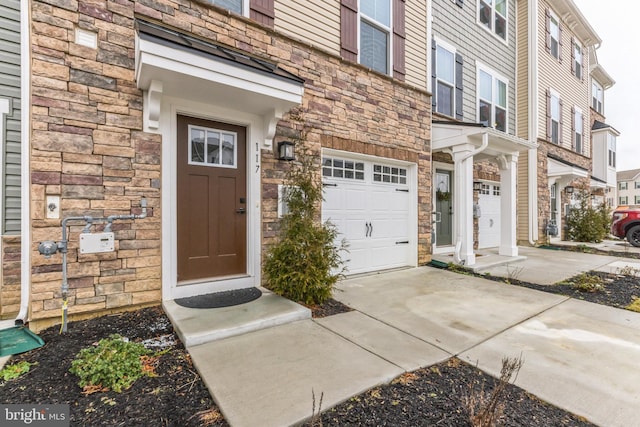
(171, 107)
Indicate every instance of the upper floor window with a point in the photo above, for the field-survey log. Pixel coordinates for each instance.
(232, 5)
(596, 96)
(623, 185)
(262, 11)
(554, 35)
(637, 200)
(611, 146)
(554, 117)
(576, 65)
(492, 99)
(623, 200)
(493, 15)
(445, 80)
(637, 184)
(375, 34)
(578, 130)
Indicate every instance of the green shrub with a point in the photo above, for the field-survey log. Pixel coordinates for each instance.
(585, 282)
(13, 371)
(113, 364)
(586, 223)
(305, 263)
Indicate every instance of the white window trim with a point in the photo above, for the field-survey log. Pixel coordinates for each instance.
(493, 20)
(595, 95)
(577, 43)
(556, 94)
(379, 25)
(555, 17)
(495, 75)
(451, 48)
(579, 126)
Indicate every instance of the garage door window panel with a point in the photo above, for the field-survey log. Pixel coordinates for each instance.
(389, 174)
(340, 168)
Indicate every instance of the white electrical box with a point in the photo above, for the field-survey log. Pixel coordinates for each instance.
(92, 243)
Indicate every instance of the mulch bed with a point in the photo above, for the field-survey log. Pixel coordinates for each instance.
(178, 397)
(329, 308)
(435, 396)
(622, 252)
(175, 397)
(619, 290)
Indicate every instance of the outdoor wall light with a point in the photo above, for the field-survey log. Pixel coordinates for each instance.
(568, 189)
(477, 186)
(286, 151)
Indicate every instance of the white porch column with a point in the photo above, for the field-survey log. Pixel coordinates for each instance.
(508, 200)
(463, 202)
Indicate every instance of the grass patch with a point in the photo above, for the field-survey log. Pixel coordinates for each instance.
(634, 306)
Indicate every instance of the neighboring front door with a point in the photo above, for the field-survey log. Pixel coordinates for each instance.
(444, 210)
(211, 199)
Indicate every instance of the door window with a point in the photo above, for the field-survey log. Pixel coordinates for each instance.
(212, 147)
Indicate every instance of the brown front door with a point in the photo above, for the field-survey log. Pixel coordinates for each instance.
(212, 220)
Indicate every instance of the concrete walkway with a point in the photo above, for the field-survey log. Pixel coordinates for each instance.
(580, 356)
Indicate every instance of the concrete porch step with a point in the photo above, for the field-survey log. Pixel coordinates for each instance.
(198, 326)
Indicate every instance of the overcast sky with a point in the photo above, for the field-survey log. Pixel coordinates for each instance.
(616, 22)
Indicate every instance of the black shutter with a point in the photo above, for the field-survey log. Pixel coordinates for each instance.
(399, 39)
(459, 86)
(349, 29)
(434, 87)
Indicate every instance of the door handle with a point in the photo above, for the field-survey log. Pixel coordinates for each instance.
(241, 211)
(370, 229)
(366, 229)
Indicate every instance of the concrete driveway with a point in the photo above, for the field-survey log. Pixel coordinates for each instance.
(580, 356)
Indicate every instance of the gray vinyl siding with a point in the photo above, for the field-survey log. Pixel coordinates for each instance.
(459, 27)
(10, 89)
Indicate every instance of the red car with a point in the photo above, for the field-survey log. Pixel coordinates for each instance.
(626, 224)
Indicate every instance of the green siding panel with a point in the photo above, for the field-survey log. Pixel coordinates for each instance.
(10, 171)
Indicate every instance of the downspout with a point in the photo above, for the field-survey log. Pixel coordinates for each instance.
(532, 158)
(483, 146)
(25, 158)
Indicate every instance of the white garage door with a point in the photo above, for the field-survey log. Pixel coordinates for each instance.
(489, 221)
(370, 203)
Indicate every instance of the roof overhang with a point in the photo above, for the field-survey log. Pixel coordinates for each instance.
(169, 63)
(565, 171)
(446, 135)
(576, 21)
(596, 183)
(598, 72)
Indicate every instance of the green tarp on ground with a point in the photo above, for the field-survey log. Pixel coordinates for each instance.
(18, 340)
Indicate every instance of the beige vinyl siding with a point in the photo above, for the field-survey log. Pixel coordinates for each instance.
(314, 22)
(522, 81)
(558, 76)
(416, 44)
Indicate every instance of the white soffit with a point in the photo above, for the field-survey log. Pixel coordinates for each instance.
(559, 169)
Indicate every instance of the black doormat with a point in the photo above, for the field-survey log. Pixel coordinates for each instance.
(221, 299)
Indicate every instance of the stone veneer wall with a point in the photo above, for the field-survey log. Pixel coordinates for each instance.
(89, 148)
(544, 197)
(10, 276)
